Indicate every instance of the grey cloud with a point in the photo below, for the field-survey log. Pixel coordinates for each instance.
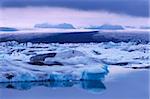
(130, 7)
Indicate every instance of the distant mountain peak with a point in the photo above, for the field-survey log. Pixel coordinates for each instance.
(107, 27)
(60, 26)
(8, 29)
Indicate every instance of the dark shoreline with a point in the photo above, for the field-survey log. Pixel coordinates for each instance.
(77, 37)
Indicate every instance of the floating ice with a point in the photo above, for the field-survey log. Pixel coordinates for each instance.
(78, 61)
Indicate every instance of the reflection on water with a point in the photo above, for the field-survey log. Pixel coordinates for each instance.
(91, 86)
(132, 85)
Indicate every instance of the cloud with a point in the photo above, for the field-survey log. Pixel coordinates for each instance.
(28, 17)
(138, 8)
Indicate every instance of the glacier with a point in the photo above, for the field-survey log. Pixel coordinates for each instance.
(67, 62)
(59, 26)
(8, 29)
(107, 27)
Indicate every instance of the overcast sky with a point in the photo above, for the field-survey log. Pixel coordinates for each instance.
(131, 7)
(77, 12)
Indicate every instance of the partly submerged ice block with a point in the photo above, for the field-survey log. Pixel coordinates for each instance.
(94, 74)
(64, 65)
(62, 73)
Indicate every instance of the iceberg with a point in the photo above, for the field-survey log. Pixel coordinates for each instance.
(50, 65)
(60, 26)
(24, 72)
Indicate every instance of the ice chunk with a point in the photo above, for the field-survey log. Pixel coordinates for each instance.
(54, 74)
(69, 70)
(93, 75)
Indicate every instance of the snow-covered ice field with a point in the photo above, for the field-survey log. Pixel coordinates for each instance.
(69, 61)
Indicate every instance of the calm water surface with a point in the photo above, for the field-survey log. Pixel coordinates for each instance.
(129, 86)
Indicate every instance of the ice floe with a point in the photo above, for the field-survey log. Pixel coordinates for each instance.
(69, 61)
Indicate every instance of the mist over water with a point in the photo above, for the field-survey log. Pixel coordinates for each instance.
(29, 16)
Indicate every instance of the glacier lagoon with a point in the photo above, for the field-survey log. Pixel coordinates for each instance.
(75, 70)
(74, 49)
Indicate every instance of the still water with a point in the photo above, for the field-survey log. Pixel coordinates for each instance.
(126, 86)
